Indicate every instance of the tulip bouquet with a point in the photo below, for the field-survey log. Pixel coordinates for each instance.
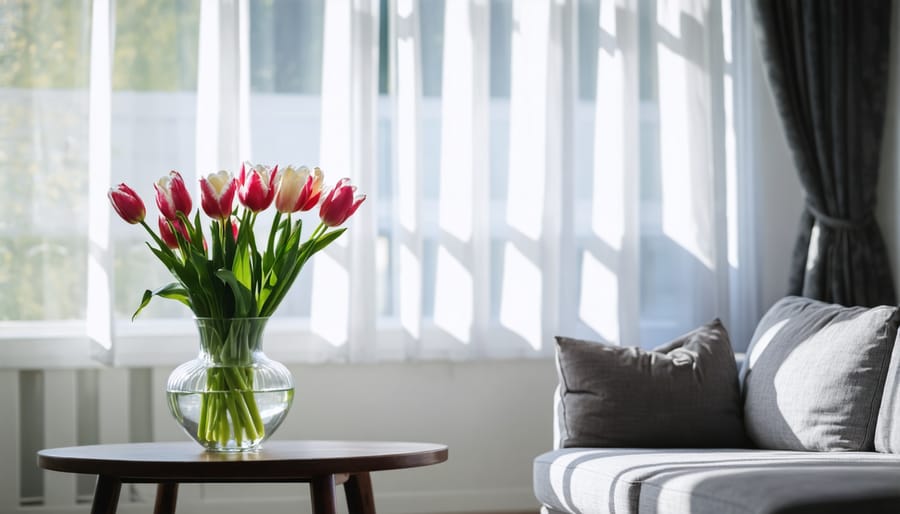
(233, 276)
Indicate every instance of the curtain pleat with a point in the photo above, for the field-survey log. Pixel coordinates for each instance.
(462, 266)
(343, 284)
(407, 188)
(609, 300)
(223, 87)
(99, 308)
(363, 170)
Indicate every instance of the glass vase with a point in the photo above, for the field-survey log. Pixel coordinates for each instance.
(232, 397)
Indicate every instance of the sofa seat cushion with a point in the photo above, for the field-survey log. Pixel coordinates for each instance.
(677, 481)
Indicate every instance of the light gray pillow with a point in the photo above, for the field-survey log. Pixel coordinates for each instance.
(887, 429)
(814, 375)
(682, 394)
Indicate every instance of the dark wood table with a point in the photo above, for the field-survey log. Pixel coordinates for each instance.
(322, 464)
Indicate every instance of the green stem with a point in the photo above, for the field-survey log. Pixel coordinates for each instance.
(229, 395)
(202, 424)
(246, 402)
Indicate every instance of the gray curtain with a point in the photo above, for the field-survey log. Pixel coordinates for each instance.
(827, 62)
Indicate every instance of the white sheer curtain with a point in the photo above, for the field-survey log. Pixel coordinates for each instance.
(534, 167)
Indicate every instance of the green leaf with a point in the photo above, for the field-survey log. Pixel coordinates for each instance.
(174, 291)
(243, 297)
(241, 266)
(171, 291)
(230, 245)
(269, 256)
(217, 251)
(322, 241)
(197, 236)
(145, 300)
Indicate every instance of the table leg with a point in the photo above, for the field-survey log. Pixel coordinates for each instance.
(358, 490)
(106, 495)
(322, 488)
(166, 497)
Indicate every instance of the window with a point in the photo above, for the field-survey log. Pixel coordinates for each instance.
(533, 167)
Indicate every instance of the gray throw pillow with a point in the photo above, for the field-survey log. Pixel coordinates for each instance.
(887, 429)
(682, 394)
(814, 375)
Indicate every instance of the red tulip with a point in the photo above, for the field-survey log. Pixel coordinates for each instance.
(165, 231)
(341, 202)
(217, 194)
(298, 189)
(256, 187)
(127, 203)
(172, 196)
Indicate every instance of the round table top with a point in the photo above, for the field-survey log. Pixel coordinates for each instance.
(276, 460)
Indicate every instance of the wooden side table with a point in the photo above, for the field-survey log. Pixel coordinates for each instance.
(322, 464)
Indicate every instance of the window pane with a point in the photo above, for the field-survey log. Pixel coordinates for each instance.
(156, 45)
(153, 126)
(43, 148)
(286, 46)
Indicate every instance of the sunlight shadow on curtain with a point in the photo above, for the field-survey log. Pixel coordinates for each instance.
(685, 138)
(608, 200)
(99, 286)
(336, 81)
(609, 285)
(453, 307)
(329, 313)
(457, 122)
(520, 310)
(463, 90)
(599, 293)
(407, 107)
(410, 292)
(731, 184)
(521, 299)
(528, 117)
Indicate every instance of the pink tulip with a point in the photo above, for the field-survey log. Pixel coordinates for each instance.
(341, 202)
(217, 194)
(298, 189)
(256, 187)
(127, 203)
(165, 231)
(172, 196)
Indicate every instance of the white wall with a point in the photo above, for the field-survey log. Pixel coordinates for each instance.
(778, 194)
(494, 416)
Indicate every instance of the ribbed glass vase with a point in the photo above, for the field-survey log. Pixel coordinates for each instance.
(232, 397)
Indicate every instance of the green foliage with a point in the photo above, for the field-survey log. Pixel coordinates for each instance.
(235, 280)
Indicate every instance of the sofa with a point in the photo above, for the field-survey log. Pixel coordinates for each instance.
(807, 422)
